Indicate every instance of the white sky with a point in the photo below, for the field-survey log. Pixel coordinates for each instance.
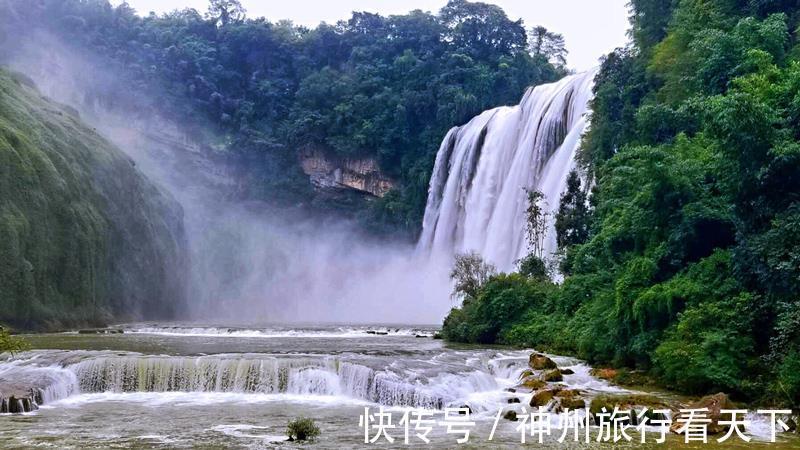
(590, 27)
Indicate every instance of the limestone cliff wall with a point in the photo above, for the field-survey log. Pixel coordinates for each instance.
(359, 174)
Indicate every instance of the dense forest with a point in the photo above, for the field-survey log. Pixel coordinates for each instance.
(685, 261)
(260, 92)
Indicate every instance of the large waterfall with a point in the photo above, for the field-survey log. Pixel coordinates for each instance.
(477, 196)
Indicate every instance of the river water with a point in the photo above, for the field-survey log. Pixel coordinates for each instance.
(188, 386)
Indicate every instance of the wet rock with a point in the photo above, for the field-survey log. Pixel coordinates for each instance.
(715, 404)
(510, 415)
(419, 336)
(552, 376)
(463, 407)
(570, 399)
(438, 336)
(543, 397)
(512, 390)
(567, 372)
(513, 400)
(604, 373)
(634, 403)
(791, 422)
(381, 333)
(532, 383)
(538, 361)
(19, 402)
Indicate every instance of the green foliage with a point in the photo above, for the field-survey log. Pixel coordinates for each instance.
(302, 429)
(11, 344)
(689, 266)
(548, 45)
(84, 235)
(573, 216)
(536, 223)
(469, 274)
(500, 303)
(387, 88)
(533, 266)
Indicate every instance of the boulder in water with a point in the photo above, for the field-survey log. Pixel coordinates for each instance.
(537, 361)
(607, 374)
(543, 397)
(567, 372)
(634, 403)
(570, 399)
(532, 383)
(552, 376)
(715, 404)
(510, 415)
(513, 400)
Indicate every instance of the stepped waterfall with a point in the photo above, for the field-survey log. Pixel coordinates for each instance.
(477, 196)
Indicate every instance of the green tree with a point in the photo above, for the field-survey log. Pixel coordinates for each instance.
(573, 216)
(11, 344)
(470, 272)
(548, 45)
(224, 12)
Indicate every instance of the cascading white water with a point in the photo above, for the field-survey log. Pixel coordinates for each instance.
(273, 375)
(477, 196)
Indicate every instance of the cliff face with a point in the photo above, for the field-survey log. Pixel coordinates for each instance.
(84, 237)
(362, 175)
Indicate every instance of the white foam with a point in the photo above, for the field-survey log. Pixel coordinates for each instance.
(342, 332)
(246, 431)
(155, 399)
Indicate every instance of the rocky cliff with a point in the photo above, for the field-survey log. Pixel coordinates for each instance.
(359, 174)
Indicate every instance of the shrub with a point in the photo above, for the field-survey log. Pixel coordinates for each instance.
(302, 429)
(9, 343)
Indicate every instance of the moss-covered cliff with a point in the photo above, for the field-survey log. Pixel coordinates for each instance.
(84, 237)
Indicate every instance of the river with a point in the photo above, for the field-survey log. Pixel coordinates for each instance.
(190, 385)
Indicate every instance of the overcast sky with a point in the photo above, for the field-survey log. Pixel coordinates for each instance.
(590, 27)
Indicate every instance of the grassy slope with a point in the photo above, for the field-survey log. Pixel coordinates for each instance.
(84, 237)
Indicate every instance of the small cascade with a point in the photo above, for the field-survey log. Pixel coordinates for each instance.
(275, 375)
(24, 386)
(204, 374)
(477, 195)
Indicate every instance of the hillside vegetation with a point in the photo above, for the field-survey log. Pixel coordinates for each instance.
(260, 92)
(687, 263)
(83, 236)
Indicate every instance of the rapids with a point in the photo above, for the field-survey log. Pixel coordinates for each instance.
(188, 385)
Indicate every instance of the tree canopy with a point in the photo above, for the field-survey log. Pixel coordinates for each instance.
(369, 86)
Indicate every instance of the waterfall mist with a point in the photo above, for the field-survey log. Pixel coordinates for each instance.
(250, 262)
(478, 190)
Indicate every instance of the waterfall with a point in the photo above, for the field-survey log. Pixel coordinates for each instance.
(477, 196)
(272, 375)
